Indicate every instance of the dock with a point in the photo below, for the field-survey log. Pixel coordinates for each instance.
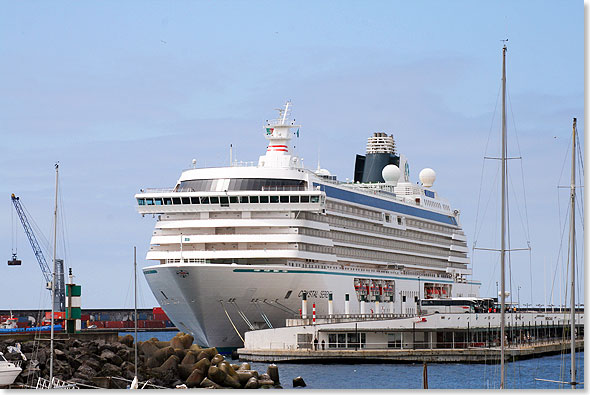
(435, 338)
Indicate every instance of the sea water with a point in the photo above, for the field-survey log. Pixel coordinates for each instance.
(519, 374)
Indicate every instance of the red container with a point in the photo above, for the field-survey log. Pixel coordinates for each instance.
(85, 317)
(155, 324)
(22, 324)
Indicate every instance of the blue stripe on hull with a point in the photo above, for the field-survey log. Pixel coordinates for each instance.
(359, 198)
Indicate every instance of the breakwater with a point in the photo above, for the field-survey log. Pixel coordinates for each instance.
(109, 363)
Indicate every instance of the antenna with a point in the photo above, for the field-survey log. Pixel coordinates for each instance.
(230, 154)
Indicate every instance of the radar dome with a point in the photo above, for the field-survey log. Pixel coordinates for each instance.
(323, 172)
(391, 174)
(427, 177)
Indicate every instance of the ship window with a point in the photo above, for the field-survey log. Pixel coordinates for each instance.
(185, 200)
(158, 201)
(140, 201)
(205, 200)
(194, 200)
(175, 200)
(233, 199)
(263, 199)
(315, 199)
(274, 199)
(399, 220)
(167, 201)
(288, 294)
(243, 199)
(253, 199)
(284, 199)
(149, 201)
(224, 201)
(214, 200)
(304, 199)
(294, 199)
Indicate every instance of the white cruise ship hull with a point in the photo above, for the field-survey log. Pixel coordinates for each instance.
(207, 300)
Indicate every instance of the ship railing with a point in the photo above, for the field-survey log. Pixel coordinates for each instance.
(244, 164)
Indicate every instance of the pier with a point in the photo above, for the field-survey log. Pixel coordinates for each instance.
(455, 337)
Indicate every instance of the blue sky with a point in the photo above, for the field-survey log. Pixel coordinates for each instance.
(125, 94)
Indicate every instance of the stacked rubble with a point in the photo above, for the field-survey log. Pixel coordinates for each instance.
(168, 364)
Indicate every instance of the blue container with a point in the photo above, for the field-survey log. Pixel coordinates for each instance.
(142, 316)
(23, 319)
(104, 317)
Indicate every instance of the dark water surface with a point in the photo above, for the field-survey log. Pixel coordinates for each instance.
(519, 374)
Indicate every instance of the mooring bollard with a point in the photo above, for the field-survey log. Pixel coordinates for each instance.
(330, 306)
(304, 305)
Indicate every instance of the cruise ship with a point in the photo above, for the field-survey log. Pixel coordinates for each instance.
(238, 248)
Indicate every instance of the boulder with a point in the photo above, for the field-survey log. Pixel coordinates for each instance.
(180, 353)
(108, 370)
(185, 370)
(226, 367)
(109, 356)
(203, 365)
(196, 348)
(85, 372)
(161, 344)
(203, 355)
(244, 366)
(299, 382)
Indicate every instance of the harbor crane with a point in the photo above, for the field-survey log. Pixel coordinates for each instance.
(59, 298)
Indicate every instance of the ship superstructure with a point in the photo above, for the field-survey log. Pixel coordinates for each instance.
(237, 247)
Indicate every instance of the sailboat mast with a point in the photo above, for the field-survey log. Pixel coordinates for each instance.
(135, 301)
(503, 225)
(572, 259)
(53, 278)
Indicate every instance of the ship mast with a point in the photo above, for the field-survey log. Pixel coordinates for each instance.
(572, 259)
(53, 279)
(503, 226)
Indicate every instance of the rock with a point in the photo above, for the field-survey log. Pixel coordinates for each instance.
(159, 357)
(93, 363)
(190, 358)
(187, 340)
(231, 382)
(278, 387)
(196, 348)
(161, 344)
(252, 383)
(203, 355)
(59, 354)
(216, 374)
(127, 340)
(126, 355)
(108, 369)
(195, 378)
(180, 353)
(207, 383)
(273, 372)
(211, 351)
(148, 348)
(216, 359)
(109, 356)
(244, 366)
(170, 363)
(128, 370)
(299, 382)
(264, 376)
(226, 367)
(266, 383)
(245, 375)
(203, 365)
(85, 372)
(185, 370)
(234, 366)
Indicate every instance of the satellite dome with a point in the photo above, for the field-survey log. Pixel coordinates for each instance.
(391, 174)
(427, 177)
